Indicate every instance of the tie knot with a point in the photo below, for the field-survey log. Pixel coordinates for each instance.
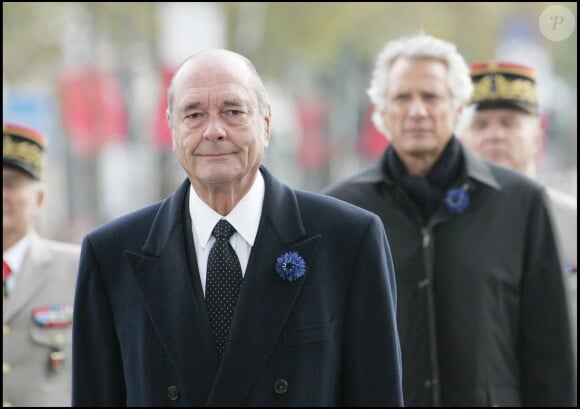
(223, 230)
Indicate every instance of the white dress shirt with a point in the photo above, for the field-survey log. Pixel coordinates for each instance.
(244, 217)
(14, 256)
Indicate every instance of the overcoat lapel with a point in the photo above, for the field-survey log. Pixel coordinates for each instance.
(266, 299)
(176, 307)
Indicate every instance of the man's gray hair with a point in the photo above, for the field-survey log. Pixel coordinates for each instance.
(419, 47)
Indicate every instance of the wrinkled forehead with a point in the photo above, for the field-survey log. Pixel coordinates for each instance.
(214, 75)
(418, 73)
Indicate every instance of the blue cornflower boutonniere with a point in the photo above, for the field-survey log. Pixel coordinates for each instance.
(290, 266)
(457, 200)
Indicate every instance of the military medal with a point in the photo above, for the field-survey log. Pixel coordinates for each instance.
(56, 360)
(59, 315)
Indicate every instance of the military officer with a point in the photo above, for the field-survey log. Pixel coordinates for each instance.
(38, 279)
(503, 125)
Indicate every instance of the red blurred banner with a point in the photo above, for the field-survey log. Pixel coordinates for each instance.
(93, 109)
(372, 142)
(312, 153)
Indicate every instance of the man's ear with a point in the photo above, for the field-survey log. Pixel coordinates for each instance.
(40, 195)
(267, 120)
(540, 136)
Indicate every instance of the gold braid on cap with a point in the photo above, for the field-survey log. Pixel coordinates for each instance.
(25, 151)
(517, 89)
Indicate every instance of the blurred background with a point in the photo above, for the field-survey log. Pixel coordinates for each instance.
(92, 76)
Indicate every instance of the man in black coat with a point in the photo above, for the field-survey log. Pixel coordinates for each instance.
(482, 309)
(314, 323)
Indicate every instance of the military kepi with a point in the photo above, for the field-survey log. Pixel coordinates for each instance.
(504, 85)
(23, 148)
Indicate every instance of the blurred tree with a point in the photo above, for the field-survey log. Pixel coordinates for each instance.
(312, 33)
(284, 33)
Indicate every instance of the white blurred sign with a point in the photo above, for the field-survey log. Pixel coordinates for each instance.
(186, 28)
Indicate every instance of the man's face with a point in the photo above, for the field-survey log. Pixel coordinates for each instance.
(509, 137)
(420, 115)
(22, 198)
(218, 132)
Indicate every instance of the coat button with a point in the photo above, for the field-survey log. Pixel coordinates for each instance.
(430, 382)
(423, 283)
(280, 386)
(173, 392)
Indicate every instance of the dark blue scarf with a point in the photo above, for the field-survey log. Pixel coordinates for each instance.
(428, 192)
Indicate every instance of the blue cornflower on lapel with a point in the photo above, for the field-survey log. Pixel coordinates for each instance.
(290, 266)
(457, 200)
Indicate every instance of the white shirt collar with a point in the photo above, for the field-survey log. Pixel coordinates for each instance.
(14, 256)
(245, 216)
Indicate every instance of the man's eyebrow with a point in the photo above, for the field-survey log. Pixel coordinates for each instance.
(225, 104)
(191, 105)
(233, 103)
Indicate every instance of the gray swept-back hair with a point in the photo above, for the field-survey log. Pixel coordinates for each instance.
(418, 47)
(260, 88)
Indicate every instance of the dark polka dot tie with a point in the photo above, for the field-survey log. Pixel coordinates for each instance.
(223, 283)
